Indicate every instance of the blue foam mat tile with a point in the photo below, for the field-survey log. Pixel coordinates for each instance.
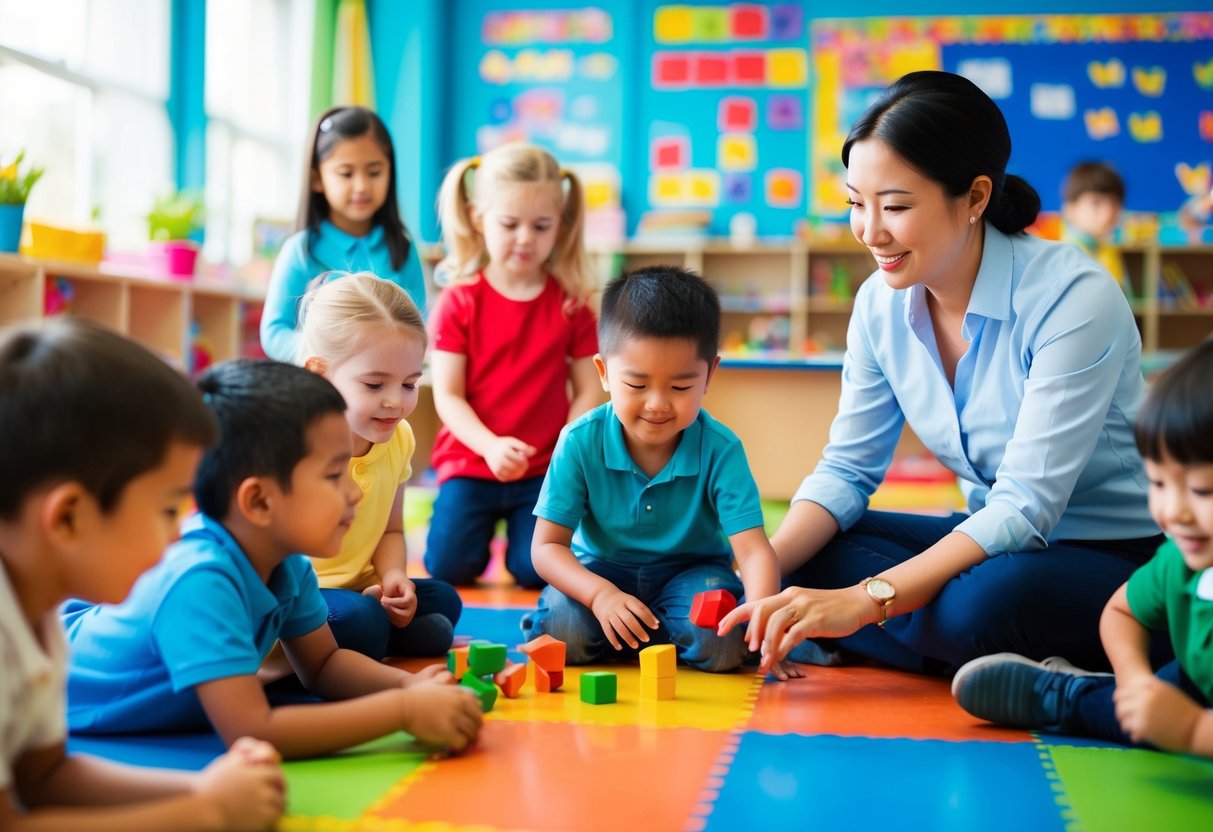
(826, 782)
(500, 626)
(182, 751)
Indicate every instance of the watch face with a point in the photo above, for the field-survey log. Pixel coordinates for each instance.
(880, 589)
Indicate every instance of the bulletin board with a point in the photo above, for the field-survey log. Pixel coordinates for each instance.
(1072, 87)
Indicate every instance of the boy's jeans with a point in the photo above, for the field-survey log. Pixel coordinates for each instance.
(667, 589)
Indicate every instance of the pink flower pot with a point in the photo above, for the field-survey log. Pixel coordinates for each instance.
(177, 258)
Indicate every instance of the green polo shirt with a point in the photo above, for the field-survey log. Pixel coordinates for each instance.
(1166, 594)
(704, 494)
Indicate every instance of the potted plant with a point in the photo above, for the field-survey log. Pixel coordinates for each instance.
(173, 218)
(15, 186)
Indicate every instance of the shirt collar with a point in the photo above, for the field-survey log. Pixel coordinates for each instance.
(684, 463)
(343, 243)
(991, 296)
(265, 596)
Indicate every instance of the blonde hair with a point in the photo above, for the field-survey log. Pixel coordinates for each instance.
(337, 314)
(513, 164)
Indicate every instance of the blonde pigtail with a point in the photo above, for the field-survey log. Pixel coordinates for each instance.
(463, 243)
(570, 261)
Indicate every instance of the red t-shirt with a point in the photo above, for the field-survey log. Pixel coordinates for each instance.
(518, 355)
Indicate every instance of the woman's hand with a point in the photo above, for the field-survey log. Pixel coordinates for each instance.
(780, 622)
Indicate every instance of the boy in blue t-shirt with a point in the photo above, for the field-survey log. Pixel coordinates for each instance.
(98, 444)
(185, 648)
(647, 497)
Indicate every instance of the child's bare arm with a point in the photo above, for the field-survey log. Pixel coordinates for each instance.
(243, 789)
(507, 456)
(390, 557)
(621, 615)
(587, 388)
(333, 673)
(1125, 640)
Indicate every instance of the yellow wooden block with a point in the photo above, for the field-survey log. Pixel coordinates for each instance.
(652, 687)
(659, 661)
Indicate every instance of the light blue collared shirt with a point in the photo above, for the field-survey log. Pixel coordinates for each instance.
(1038, 425)
(331, 249)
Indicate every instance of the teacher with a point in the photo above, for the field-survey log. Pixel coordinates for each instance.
(1016, 361)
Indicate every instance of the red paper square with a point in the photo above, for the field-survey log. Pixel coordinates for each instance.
(749, 21)
(712, 69)
(749, 68)
(671, 69)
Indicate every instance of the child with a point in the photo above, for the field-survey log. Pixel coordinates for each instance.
(365, 336)
(348, 221)
(98, 442)
(640, 490)
(509, 333)
(1093, 197)
(184, 649)
(1174, 591)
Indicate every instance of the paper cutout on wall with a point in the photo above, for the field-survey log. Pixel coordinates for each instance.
(512, 28)
(736, 114)
(993, 75)
(749, 68)
(501, 110)
(749, 21)
(672, 24)
(496, 67)
(670, 153)
(787, 67)
(1205, 125)
(489, 137)
(688, 188)
(1102, 123)
(671, 70)
(1054, 102)
(736, 152)
(1150, 81)
(703, 187)
(787, 22)
(738, 188)
(598, 66)
(1203, 73)
(1194, 179)
(553, 66)
(783, 187)
(785, 112)
(709, 24)
(1146, 127)
(1107, 75)
(584, 108)
(710, 69)
(587, 140)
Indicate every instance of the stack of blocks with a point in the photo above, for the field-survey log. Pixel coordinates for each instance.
(547, 659)
(657, 668)
(475, 666)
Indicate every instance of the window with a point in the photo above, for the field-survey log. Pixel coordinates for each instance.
(258, 75)
(83, 86)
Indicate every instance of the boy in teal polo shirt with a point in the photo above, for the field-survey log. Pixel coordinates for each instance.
(648, 498)
(1171, 709)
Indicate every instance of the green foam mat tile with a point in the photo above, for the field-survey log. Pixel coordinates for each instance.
(346, 784)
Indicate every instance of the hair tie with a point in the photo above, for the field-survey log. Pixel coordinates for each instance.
(474, 163)
(207, 399)
(565, 173)
(326, 125)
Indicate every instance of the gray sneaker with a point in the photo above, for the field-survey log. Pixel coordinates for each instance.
(1009, 689)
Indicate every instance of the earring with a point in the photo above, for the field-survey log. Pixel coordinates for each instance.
(972, 220)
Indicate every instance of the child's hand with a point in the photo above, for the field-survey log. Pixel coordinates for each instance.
(509, 457)
(446, 716)
(1151, 710)
(245, 786)
(398, 595)
(431, 673)
(786, 670)
(623, 616)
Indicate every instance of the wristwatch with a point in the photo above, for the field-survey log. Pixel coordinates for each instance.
(883, 593)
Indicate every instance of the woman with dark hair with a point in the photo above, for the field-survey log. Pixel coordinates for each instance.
(1017, 363)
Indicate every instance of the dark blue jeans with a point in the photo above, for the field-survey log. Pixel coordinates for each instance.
(668, 589)
(1037, 604)
(465, 518)
(1093, 714)
(360, 623)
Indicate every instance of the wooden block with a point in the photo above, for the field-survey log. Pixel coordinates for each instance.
(653, 687)
(457, 661)
(709, 607)
(659, 661)
(485, 659)
(484, 688)
(598, 687)
(546, 652)
(547, 681)
(511, 680)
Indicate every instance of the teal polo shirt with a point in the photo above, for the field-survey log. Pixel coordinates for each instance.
(704, 494)
(1165, 594)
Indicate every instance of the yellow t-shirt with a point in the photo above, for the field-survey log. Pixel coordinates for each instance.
(379, 474)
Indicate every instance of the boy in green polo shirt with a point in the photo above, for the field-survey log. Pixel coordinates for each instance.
(648, 498)
(1169, 710)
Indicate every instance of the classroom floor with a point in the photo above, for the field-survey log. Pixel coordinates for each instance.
(841, 748)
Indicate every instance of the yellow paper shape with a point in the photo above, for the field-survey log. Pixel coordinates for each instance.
(1145, 127)
(1102, 123)
(1150, 80)
(496, 67)
(598, 195)
(666, 189)
(1107, 75)
(703, 186)
(736, 152)
(912, 57)
(1194, 179)
(787, 67)
(1203, 74)
(672, 24)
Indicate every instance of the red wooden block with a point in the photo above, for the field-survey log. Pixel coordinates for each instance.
(709, 607)
(546, 652)
(548, 681)
(511, 679)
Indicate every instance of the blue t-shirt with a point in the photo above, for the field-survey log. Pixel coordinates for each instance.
(331, 249)
(703, 495)
(201, 614)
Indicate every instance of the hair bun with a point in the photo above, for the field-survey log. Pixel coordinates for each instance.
(1016, 206)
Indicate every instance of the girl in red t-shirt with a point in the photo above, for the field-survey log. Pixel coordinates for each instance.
(512, 332)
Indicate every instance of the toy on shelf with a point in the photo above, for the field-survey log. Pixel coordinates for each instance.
(58, 297)
(201, 354)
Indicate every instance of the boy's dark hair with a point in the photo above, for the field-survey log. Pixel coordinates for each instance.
(1093, 178)
(264, 409)
(660, 302)
(335, 125)
(1177, 417)
(81, 403)
(951, 132)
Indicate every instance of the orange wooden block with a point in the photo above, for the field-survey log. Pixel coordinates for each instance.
(545, 652)
(511, 679)
(457, 661)
(548, 681)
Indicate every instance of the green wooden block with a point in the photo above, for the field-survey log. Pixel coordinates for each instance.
(598, 687)
(485, 659)
(484, 688)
